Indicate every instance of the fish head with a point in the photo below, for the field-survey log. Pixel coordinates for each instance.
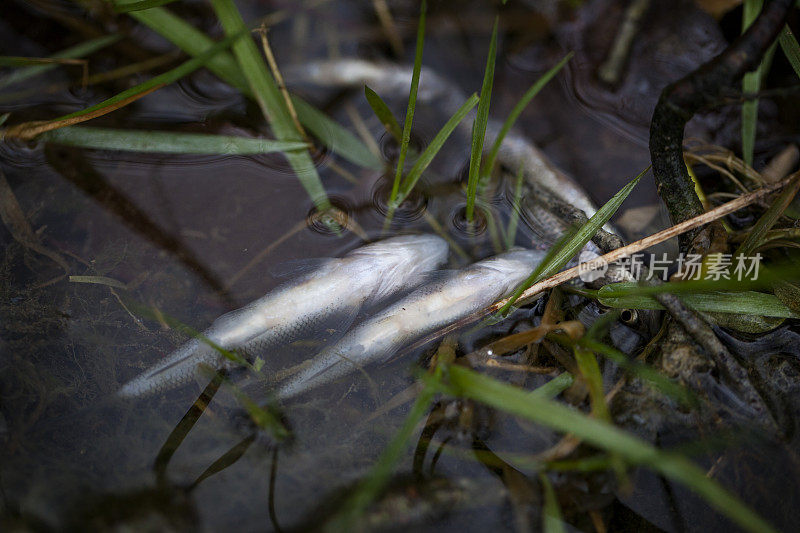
(402, 261)
(513, 267)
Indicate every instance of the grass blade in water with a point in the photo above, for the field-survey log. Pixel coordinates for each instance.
(165, 142)
(192, 41)
(334, 136)
(171, 76)
(29, 130)
(384, 114)
(517, 111)
(433, 148)
(642, 370)
(394, 201)
(269, 99)
(751, 83)
(513, 221)
(552, 521)
(479, 126)
(748, 303)
(554, 387)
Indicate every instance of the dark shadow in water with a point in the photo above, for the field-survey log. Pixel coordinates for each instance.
(71, 164)
(167, 505)
(273, 473)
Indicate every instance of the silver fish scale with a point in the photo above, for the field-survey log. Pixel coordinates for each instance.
(260, 345)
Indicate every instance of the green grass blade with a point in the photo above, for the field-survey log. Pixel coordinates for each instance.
(267, 95)
(790, 48)
(743, 303)
(384, 114)
(552, 519)
(165, 142)
(590, 370)
(479, 126)
(766, 278)
(166, 78)
(517, 111)
(192, 41)
(751, 83)
(74, 52)
(334, 136)
(433, 148)
(566, 249)
(262, 85)
(394, 201)
(516, 206)
(587, 231)
(768, 219)
(554, 387)
(126, 6)
(747, 302)
(604, 436)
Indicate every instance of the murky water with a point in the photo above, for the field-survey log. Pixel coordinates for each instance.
(196, 236)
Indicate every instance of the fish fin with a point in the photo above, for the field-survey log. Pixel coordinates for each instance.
(299, 267)
(325, 368)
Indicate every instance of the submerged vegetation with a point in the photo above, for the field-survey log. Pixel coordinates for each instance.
(559, 398)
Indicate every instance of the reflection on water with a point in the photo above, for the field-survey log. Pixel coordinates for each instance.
(190, 238)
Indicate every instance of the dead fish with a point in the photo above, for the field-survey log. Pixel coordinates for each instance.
(426, 309)
(341, 286)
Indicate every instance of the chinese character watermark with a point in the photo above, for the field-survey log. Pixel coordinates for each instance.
(690, 267)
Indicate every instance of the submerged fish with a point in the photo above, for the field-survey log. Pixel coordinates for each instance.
(426, 309)
(338, 287)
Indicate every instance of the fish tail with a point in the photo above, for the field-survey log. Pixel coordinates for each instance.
(176, 369)
(324, 368)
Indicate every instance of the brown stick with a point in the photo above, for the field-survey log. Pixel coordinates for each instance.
(276, 73)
